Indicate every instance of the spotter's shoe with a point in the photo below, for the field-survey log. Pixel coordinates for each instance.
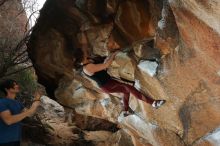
(158, 103)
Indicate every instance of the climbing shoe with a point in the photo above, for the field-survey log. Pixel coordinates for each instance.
(157, 103)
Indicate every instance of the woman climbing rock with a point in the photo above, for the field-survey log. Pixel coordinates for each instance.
(98, 73)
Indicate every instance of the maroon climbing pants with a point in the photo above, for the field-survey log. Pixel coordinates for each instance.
(113, 86)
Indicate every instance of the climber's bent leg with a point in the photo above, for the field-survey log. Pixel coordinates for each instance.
(139, 95)
(114, 86)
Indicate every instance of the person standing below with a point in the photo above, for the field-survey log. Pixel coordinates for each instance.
(12, 112)
(98, 73)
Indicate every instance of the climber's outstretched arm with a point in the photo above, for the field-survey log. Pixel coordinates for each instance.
(92, 68)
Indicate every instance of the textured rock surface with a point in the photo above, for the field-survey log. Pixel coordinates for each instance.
(174, 54)
(55, 125)
(13, 21)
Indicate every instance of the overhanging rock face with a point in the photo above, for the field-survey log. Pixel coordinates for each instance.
(54, 37)
(180, 39)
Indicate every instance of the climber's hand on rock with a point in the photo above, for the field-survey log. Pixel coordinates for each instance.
(37, 95)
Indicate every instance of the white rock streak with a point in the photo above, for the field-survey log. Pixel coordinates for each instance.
(214, 137)
(149, 67)
(135, 123)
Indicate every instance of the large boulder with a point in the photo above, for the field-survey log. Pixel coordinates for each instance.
(170, 51)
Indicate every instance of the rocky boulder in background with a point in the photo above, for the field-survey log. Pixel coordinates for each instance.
(13, 23)
(54, 125)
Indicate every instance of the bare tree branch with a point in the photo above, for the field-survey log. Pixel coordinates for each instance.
(25, 60)
(27, 4)
(29, 19)
(15, 55)
(9, 74)
(19, 55)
